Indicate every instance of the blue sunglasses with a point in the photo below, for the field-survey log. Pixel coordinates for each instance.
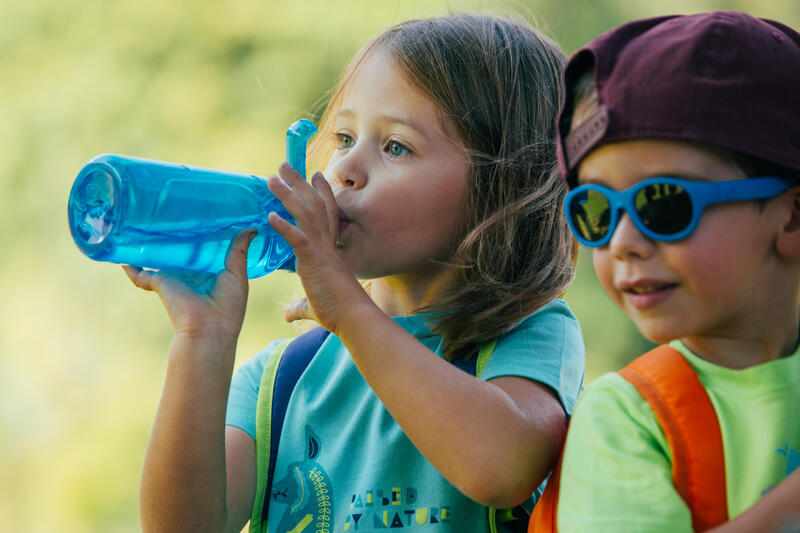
(662, 208)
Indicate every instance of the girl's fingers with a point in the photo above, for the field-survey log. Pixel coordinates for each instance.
(307, 202)
(290, 175)
(293, 235)
(300, 186)
(291, 200)
(322, 186)
(298, 310)
(283, 192)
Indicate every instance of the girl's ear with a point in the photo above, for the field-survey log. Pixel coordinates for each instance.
(788, 242)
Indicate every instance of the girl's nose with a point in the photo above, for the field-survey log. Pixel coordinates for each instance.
(348, 169)
(628, 242)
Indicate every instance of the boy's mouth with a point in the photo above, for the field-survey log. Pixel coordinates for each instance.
(644, 289)
(644, 294)
(642, 286)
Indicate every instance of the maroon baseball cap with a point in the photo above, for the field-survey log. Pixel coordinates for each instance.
(724, 78)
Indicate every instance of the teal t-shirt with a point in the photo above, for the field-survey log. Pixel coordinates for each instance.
(344, 464)
(617, 469)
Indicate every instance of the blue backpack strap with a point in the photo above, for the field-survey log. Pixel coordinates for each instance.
(285, 365)
(475, 364)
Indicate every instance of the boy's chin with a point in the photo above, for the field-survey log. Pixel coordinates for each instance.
(657, 333)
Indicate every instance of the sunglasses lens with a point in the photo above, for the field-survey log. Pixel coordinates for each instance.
(664, 208)
(590, 213)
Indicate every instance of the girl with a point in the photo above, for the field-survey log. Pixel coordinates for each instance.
(441, 189)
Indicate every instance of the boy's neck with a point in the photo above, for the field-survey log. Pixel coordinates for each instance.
(741, 352)
(769, 330)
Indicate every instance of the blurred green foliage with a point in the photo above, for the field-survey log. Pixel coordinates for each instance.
(82, 353)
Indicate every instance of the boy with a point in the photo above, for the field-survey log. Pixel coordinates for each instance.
(660, 113)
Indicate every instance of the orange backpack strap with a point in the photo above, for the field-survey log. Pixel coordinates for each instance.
(543, 518)
(684, 411)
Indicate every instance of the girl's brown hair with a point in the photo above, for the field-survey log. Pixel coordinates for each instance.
(499, 81)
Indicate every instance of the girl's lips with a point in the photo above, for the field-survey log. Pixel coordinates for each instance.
(646, 294)
(344, 222)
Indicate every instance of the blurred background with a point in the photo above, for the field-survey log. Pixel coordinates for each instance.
(214, 84)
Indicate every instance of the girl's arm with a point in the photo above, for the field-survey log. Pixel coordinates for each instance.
(185, 483)
(777, 512)
(495, 441)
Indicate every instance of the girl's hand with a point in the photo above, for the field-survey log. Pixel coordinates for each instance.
(331, 289)
(201, 305)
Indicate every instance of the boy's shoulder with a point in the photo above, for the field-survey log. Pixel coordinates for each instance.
(612, 396)
(656, 411)
(653, 389)
(617, 435)
(619, 398)
(612, 418)
(613, 431)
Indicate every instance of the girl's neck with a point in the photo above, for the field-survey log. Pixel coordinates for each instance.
(402, 295)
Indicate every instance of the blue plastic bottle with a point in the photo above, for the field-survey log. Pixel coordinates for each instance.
(170, 216)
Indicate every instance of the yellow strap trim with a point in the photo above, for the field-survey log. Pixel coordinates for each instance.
(484, 354)
(263, 425)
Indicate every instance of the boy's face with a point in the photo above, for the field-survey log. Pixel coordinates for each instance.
(714, 282)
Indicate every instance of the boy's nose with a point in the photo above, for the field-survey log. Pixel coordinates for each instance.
(627, 241)
(349, 169)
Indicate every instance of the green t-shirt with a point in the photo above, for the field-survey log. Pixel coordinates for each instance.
(617, 473)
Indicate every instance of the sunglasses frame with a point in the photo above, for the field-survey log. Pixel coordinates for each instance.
(701, 194)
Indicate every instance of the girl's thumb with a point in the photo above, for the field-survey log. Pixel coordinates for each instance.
(236, 258)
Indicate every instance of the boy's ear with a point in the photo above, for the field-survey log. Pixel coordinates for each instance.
(788, 242)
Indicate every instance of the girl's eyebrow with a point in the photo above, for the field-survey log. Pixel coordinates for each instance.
(390, 119)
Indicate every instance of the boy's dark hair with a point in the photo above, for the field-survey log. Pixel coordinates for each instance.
(725, 79)
(499, 81)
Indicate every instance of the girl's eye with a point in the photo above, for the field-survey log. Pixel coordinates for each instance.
(395, 149)
(343, 141)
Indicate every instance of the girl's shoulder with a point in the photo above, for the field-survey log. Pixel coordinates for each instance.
(552, 331)
(252, 369)
(547, 347)
(244, 389)
(554, 315)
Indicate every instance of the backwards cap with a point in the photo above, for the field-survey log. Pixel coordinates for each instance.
(723, 78)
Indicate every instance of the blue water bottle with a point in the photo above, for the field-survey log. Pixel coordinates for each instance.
(169, 216)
